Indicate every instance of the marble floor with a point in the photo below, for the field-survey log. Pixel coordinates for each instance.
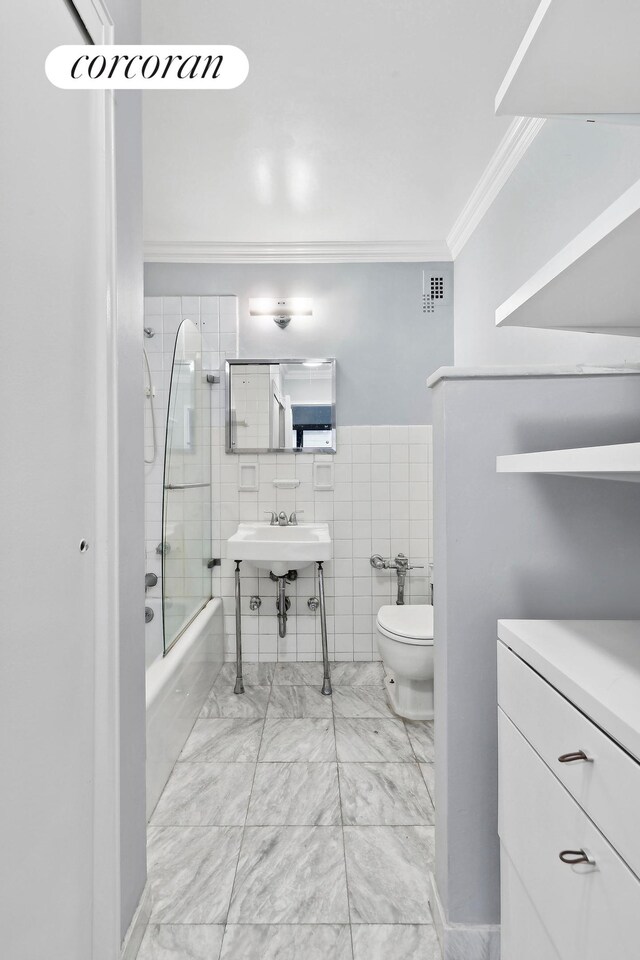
(295, 825)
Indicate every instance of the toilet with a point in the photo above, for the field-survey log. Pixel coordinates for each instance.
(405, 642)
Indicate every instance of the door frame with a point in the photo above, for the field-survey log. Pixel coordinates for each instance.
(106, 902)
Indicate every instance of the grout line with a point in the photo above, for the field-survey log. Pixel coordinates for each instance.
(344, 847)
(244, 828)
(421, 764)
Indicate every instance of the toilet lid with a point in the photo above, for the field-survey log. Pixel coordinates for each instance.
(411, 623)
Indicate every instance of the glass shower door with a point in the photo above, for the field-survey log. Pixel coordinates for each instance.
(186, 512)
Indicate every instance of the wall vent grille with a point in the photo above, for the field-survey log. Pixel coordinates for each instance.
(432, 292)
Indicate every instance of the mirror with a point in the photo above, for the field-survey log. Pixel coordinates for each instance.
(283, 406)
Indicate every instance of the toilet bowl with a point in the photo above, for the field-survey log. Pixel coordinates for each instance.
(405, 642)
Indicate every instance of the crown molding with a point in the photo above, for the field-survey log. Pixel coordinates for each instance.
(513, 146)
(317, 251)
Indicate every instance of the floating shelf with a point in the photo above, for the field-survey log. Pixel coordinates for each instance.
(578, 58)
(620, 461)
(592, 284)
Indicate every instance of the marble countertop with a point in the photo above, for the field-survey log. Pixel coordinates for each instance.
(540, 370)
(594, 663)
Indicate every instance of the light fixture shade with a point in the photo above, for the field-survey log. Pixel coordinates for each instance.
(280, 307)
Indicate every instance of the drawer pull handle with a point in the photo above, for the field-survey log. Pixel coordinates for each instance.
(572, 757)
(575, 856)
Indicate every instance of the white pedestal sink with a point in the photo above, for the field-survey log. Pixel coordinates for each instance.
(280, 549)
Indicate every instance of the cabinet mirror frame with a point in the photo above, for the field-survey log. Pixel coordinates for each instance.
(228, 367)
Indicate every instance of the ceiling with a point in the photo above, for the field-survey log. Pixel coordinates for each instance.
(360, 120)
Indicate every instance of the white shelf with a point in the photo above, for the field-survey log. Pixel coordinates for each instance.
(620, 461)
(578, 58)
(592, 284)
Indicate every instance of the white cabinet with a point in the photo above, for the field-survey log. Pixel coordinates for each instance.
(566, 787)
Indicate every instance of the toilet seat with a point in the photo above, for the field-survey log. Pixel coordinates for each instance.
(410, 623)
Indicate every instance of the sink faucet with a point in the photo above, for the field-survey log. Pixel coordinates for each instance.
(281, 519)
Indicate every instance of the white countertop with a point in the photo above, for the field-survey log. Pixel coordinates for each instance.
(540, 370)
(594, 663)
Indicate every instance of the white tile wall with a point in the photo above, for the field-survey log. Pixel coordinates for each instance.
(381, 502)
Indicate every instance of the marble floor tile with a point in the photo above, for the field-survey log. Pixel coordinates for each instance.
(429, 774)
(421, 737)
(288, 701)
(291, 740)
(360, 701)
(372, 740)
(299, 673)
(366, 673)
(182, 941)
(221, 741)
(388, 794)
(191, 871)
(254, 674)
(290, 875)
(205, 794)
(388, 871)
(395, 941)
(295, 794)
(223, 702)
(270, 941)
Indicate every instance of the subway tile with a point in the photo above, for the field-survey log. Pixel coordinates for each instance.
(361, 453)
(380, 434)
(399, 453)
(380, 453)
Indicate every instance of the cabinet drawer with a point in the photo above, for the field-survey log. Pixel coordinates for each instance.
(587, 911)
(522, 933)
(607, 786)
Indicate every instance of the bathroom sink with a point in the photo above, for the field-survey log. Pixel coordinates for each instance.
(280, 549)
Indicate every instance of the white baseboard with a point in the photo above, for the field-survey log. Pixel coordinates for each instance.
(461, 941)
(137, 927)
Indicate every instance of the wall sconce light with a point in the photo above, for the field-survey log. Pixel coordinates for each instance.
(280, 310)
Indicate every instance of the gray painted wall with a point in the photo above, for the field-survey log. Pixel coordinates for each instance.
(369, 316)
(514, 546)
(128, 131)
(570, 174)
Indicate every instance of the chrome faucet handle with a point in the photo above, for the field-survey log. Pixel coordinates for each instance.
(273, 517)
(293, 519)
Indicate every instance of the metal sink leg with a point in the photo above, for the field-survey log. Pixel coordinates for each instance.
(326, 683)
(239, 687)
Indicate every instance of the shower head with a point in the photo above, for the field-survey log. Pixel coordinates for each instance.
(149, 332)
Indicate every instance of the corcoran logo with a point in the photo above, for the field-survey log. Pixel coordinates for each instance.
(147, 67)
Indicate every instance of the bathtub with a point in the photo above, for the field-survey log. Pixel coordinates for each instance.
(177, 686)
